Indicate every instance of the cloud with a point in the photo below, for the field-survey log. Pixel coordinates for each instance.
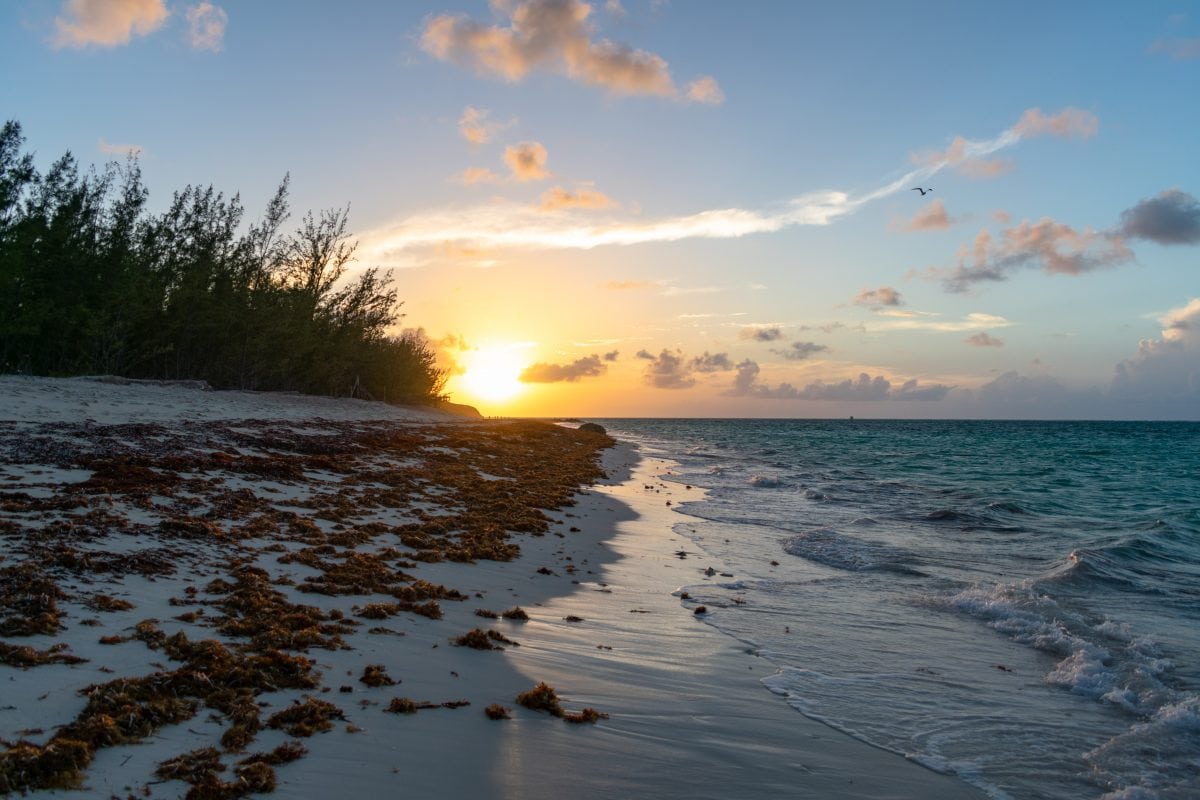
(1178, 49)
(555, 35)
(1171, 217)
(586, 367)
(966, 159)
(1054, 247)
(924, 322)
(473, 125)
(761, 333)
(1070, 123)
(108, 148)
(516, 226)
(583, 197)
(448, 348)
(717, 362)
(473, 175)
(106, 23)
(527, 161)
(621, 286)
(612, 355)
(883, 296)
(984, 339)
(705, 90)
(206, 26)
(931, 218)
(862, 389)
(667, 370)
(1163, 377)
(799, 351)
(646, 354)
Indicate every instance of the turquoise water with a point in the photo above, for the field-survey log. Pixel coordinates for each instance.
(1016, 603)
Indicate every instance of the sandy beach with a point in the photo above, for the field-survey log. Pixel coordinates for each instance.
(215, 594)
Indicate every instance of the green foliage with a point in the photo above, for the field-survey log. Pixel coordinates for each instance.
(91, 283)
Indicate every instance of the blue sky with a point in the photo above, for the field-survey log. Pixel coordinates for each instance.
(653, 208)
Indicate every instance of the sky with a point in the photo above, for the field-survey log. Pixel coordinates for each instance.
(689, 208)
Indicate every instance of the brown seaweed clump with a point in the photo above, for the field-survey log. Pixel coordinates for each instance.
(516, 613)
(375, 675)
(497, 711)
(541, 698)
(104, 602)
(200, 768)
(479, 639)
(405, 705)
(587, 715)
(28, 602)
(26, 656)
(306, 717)
(58, 765)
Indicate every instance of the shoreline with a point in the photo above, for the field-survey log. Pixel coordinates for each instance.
(682, 721)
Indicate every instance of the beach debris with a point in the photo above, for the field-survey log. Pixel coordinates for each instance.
(497, 711)
(710, 572)
(700, 610)
(685, 596)
(375, 675)
(306, 717)
(587, 715)
(479, 639)
(483, 612)
(104, 602)
(404, 705)
(545, 571)
(541, 698)
(572, 618)
(516, 613)
(1003, 668)
(25, 656)
(167, 489)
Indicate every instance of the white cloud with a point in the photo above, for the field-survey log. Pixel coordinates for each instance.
(108, 148)
(1163, 377)
(514, 225)
(206, 26)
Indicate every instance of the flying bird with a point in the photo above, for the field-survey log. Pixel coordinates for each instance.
(922, 191)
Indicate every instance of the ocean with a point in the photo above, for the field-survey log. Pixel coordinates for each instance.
(1015, 603)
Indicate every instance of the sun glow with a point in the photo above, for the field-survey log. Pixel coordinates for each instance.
(492, 373)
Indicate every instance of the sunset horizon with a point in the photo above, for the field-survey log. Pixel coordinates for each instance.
(646, 221)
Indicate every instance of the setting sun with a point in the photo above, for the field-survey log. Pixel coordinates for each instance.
(492, 373)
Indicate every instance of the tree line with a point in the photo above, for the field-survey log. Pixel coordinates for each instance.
(92, 283)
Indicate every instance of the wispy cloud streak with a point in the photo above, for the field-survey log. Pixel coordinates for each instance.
(512, 225)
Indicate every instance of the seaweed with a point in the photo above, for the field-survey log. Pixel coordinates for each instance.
(306, 717)
(25, 656)
(479, 639)
(375, 675)
(541, 698)
(497, 711)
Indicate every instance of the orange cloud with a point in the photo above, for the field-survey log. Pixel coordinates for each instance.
(960, 156)
(206, 26)
(558, 198)
(931, 218)
(472, 175)
(1070, 123)
(527, 161)
(107, 23)
(476, 128)
(556, 35)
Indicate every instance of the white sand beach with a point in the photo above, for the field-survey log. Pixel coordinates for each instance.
(687, 715)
